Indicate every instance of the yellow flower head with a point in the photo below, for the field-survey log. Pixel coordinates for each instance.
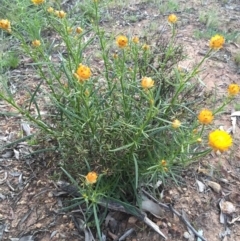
(199, 140)
(205, 117)
(115, 56)
(233, 89)
(37, 2)
(86, 92)
(5, 25)
(147, 83)
(163, 163)
(172, 18)
(135, 39)
(176, 124)
(122, 41)
(50, 10)
(91, 178)
(79, 30)
(36, 43)
(216, 42)
(145, 47)
(83, 73)
(69, 30)
(60, 14)
(219, 140)
(195, 131)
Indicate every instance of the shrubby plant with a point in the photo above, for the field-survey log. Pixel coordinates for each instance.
(120, 120)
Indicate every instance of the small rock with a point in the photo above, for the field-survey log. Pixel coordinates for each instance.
(186, 235)
(164, 224)
(132, 220)
(159, 223)
(228, 207)
(50, 194)
(169, 224)
(38, 225)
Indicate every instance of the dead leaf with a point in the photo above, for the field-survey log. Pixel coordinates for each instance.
(16, 154)
(201, 186)
(150, 206)
(26, 129)
(215, 186)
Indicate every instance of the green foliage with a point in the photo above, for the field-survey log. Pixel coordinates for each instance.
(237, 58)
(168, 6)
(207, 33)
(9, 60)
(210, 18)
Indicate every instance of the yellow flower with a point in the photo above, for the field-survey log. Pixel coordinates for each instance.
(205, 117)
(86, 92)
(91, 178)
(151, 101)
(122, 41)
(216, 42)
(233, 89)
(147, 83)
(135, 39)
(36, 43)
(145, 47)
(176, 124)
(5, 25)
(172, 18)
(69, 30)
(37, 2)
(79, 30)
(50, 10)
(115, 56)
(83, 73)
(195, 131)
(163, 163)
(199, 140)
(60, 14)
(219, 140)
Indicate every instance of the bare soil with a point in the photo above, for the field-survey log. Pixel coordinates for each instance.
(30, 200)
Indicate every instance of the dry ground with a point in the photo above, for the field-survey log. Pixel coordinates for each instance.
(29, 197)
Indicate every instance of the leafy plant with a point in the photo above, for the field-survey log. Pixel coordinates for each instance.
(121, 120)
(237, 58)
(210, 18)
(9, 60)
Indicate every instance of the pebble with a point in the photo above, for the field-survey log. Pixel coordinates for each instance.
(50, 194)
(132, 220)
(38, 225)
(186, 235)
